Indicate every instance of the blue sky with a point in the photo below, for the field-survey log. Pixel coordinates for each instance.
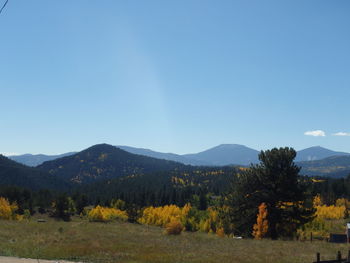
(174, 76)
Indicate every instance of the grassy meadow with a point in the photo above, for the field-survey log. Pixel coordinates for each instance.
(125, 242)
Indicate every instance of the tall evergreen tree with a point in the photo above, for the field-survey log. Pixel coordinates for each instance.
(81, 201)
(275, 182)
(203, 202)
(61, 207)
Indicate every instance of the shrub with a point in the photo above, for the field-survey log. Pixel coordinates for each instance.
(133, 213)
(319, 227)
(191, 221)
(105, 214)
(330, 212)
(211, 223)
(26, 214)
(118, 204)
(190, 218)
(161, 216)
(220, 232)
(7, 210)
(174, 228)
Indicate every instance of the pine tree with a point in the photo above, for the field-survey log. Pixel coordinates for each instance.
(203, 202)
(81, 202)
(275, 182)
(61, 207)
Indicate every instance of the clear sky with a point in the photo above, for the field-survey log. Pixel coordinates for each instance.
(174, 76)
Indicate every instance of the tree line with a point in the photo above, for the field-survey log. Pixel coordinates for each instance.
(269, 199)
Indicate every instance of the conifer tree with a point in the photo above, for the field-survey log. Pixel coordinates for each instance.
(203, 202)
(275, 182)
(61, 207)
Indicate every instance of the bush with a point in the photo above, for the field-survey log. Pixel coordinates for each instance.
(319, 227)
(26, 214)
(330, 212)
(118, 204)
(220, 232)
(7, 210)
(133, 213)
(174, 228)
(161, 216)
(211, 223)
(190, 218)
(105, 214)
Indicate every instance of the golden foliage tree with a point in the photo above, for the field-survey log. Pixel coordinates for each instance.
(317, 200)
(105, 214)
(210, 224)
(321, 225)
(337, 211)
(330, 212)
(261, 227)
(190, 218)
(161, 216)
(7, 210)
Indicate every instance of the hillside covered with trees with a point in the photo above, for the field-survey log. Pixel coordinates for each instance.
(105, 161)
(266, 200)
(15, 174)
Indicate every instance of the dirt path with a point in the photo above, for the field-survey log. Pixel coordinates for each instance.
(27, 260)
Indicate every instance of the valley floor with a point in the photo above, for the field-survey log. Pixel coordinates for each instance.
(81, 240)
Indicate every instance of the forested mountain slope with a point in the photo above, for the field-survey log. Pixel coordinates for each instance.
(105, 161)
(335, 166)
(15, 174)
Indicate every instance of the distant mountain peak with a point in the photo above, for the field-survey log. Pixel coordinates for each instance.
(102, 147)
(104, 161)
(232, 145)
(227, 154)
(316, 147)
(317, 153)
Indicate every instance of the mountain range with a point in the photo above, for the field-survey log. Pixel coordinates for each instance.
(106, 162)
(224, 154)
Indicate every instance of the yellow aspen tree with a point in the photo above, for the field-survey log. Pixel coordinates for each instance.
(105, 214)
(317, 201)
(261, 227)
(7, 210)
(161, 216)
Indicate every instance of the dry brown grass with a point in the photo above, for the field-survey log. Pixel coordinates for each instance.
(124, 242)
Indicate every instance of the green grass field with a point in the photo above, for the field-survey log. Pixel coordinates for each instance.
(125, 242)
